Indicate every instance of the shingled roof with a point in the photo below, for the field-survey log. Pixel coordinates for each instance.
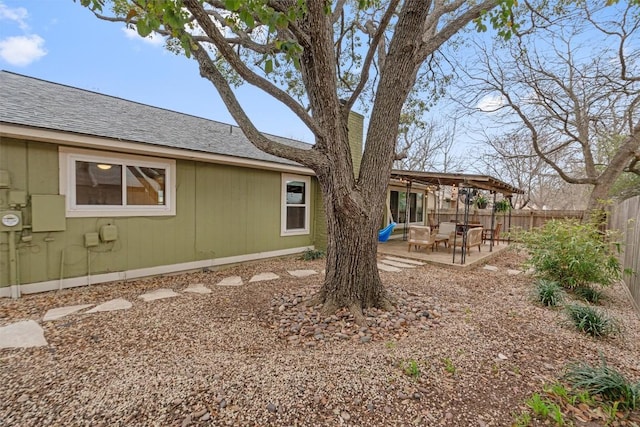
(32, 102)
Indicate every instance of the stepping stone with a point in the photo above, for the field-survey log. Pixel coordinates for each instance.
(158, 294)
(385, 267)
(197, 288)
(406, 261)
(231, 281)
(302, 273)
(264, 276)
(513, 272)
(114, 304)
(490, 268)
(57, 313)
(397, 264)
(22, 334)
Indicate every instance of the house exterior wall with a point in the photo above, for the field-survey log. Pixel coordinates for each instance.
(222, 212)
(356, 134)
(320, 229)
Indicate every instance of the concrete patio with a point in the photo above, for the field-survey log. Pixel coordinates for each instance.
(442, 256)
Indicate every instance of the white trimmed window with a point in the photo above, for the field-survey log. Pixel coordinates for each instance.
(295, 204)
(109, 184)
(401, 206)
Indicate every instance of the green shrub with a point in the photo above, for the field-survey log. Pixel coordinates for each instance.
(606, 382)
(591, 321)
(588, 293)
(548, 292)
(312, 254)
(571, 253)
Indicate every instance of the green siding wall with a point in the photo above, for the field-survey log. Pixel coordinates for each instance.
(356, 132)
(320, 241)
(221, 211)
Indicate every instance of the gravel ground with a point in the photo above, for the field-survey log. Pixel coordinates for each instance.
(251, 355)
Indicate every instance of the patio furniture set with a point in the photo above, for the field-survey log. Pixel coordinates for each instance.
(452, 235)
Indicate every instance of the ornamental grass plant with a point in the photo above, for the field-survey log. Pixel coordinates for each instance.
(591, 321)
(548, 293)
(605, 381)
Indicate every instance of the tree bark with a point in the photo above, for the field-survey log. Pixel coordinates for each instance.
(352, 279)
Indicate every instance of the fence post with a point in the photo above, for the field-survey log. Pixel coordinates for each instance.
(530, 220)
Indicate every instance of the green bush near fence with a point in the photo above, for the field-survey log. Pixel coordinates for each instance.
(572, 253)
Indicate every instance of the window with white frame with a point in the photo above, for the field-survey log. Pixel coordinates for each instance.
(108, 184)
(401, 207)
(295, 204)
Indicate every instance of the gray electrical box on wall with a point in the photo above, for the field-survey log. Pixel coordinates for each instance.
(47, 213)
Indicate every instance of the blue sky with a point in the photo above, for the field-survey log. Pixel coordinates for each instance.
(62, 42)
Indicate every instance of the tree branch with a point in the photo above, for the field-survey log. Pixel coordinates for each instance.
(239, 66)
(373, 46)
(209, 70)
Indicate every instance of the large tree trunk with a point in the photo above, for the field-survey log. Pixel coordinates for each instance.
(352, 279)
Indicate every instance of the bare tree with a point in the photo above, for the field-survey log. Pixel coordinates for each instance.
(428, 147)
(309, 55)
(512, 158)
(569, 85)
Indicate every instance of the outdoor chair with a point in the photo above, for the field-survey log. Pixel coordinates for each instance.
(445, 230)
(474, 238)
(421, 236)
(492, 234)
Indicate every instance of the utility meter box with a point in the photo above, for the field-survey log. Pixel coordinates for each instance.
(48, 213)
(10, 221)
(108, 233)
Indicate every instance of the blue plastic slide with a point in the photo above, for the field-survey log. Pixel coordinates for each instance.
(385, 233)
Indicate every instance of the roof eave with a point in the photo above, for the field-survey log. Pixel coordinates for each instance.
(71, 139)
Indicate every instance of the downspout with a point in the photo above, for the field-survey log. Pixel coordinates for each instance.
(13, 266)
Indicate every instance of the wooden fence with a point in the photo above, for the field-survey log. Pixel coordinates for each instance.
(521, 219)
(626, 218)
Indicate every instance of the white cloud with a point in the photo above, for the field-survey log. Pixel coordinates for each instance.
(17, 15)
(491, 103)
(22, 50)
(153, 39)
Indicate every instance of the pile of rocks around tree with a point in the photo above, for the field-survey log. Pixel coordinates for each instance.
(301, 324)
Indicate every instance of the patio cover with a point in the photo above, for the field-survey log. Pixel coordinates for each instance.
(460, 180)
(483, 182)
